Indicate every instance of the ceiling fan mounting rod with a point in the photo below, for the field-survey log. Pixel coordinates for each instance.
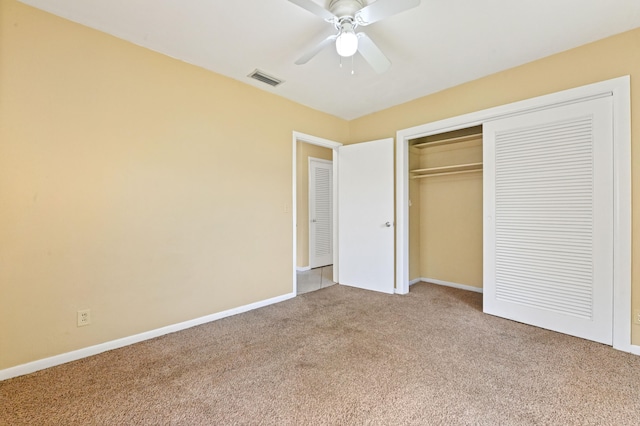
(345, 8)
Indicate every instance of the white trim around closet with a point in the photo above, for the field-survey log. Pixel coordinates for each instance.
(619, 89)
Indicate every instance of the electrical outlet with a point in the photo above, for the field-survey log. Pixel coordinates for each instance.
(84, 317)
(636, 316)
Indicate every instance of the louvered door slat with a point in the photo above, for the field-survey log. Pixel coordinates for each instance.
(323, 212)
(574, 136)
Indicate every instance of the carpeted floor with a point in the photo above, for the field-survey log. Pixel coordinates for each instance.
(342, 356)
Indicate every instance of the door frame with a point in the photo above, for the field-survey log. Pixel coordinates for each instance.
(326, 143)
(619, 89)
(318, 160)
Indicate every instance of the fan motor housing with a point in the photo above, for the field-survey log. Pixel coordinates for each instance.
(343, 8)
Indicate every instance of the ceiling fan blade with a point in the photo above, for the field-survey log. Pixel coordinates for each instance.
(382, 9)
(372, 54)
(315, 9)
(313, 52)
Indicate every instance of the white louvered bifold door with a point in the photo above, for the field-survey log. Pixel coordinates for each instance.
(320, 213)
(548, 219)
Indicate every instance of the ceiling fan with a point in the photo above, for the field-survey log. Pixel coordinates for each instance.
(346, 16)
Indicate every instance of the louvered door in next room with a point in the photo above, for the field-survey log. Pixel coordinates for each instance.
(320, 212)
(548, 218)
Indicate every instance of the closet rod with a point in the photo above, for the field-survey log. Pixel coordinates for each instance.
(446, 173)
(448, 141)
(454, 168)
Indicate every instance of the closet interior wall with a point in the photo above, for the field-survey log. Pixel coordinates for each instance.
(445, 212)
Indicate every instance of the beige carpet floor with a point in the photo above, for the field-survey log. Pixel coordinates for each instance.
(342, 356)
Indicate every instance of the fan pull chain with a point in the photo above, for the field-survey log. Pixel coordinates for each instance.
(352, 69)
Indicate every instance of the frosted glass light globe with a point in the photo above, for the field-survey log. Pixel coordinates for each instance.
(347, 44)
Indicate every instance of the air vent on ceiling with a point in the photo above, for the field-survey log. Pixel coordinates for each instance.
(260, 76)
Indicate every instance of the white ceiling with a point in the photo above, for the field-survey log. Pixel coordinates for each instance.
(439, 44)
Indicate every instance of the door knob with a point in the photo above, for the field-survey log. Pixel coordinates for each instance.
(388, 224)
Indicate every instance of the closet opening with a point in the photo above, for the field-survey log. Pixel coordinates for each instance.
(445, 209)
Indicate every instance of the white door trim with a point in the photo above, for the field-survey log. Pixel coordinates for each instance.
(314, 140)
(619, 89)
(311, 197)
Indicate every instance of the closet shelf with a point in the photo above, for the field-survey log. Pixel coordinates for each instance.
(446, 170)
(448, 141)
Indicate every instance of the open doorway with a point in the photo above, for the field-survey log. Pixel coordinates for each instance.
(365, 216)
(314, 208)
(314, 254)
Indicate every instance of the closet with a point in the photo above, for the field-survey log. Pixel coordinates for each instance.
(536, 214)
(445, 213)
(521, 208)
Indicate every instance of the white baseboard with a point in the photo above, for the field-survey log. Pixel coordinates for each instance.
(303, 268)
(41, 364)
(450, 284)
(635, 349)
(416, 281)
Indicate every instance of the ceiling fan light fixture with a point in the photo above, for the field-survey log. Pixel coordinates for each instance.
(347, 41)
(346, 16)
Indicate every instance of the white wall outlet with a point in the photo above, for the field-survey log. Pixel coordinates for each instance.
(636, 316)
(84, 317)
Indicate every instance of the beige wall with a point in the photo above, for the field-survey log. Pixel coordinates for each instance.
(303, 152)
(131, 184)
(609, 58)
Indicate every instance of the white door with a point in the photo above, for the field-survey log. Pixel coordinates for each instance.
(366, 215)
(548, 185)
(320, 212)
